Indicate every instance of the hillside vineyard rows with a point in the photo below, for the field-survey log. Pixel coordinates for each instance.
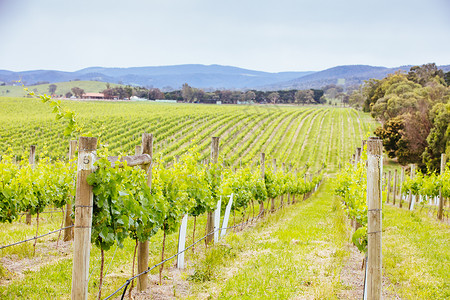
(301, 135)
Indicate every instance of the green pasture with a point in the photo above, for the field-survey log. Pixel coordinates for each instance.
(61, 88)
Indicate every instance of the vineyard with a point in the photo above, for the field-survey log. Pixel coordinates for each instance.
(363, 190)
(204, 171)
(297, 135)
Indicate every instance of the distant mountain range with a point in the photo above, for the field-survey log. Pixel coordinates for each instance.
(208, 76)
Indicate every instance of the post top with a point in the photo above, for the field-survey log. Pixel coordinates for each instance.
(88, 143)
(147, 144)
(374, 146)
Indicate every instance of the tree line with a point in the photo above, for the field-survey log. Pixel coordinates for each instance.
(414, 110)
(195, 95)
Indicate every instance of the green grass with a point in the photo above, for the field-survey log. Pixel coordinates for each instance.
(416, 255)
(18, 231)
(54, 266)
(62, 88)
(298, 252)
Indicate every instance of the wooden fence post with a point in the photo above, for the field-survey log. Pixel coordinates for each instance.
(142, 250)
(374, 204)
(388, 190)
(296, 179)
(31, 160)
(441, 198)
(358, 155)
(410, 196)
(32, 157)
(283, 169)
(395, 186)
(68, 232)
(214, 160)
(138, 150)
(402, 178)
(274, 164)
(83, 218)
(289, 167)
(263, 172)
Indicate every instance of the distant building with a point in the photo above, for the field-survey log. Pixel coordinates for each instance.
(98, 96)
(245, 102)
(134, 98)
(166, 101)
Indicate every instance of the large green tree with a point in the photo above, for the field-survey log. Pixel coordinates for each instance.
(187, 92)
(391, 134)
(439, 137)
(413, 110)
(52, 88)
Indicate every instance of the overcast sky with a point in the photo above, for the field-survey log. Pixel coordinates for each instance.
(265, 35)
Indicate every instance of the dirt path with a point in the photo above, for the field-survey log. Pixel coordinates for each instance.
(290, 254)
(352, 278)
(46, 254)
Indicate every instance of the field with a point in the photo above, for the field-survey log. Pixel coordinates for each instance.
(301, 250)
(291, 134)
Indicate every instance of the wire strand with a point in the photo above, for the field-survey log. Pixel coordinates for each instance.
(125, 285)
(35, 238)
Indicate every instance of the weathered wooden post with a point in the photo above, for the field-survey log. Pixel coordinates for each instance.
(441, 198)
(31, 160)
(388, 190)
(296, 178)
(374, 204)
(358, 155)
(289, 194)
(32, 157)
(263, 173)
(395, 186)
(410, 196)
(283, 169)
(83, 218)
(68, 232)
(402, 178)
(214, 160)
(142, 250)
(274, 164)
(138, 150)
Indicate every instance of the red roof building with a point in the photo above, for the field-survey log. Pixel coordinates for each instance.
(94, 96)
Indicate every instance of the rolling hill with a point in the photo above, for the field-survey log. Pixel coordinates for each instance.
(209, 77)
(343, 75)
(203, 76)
